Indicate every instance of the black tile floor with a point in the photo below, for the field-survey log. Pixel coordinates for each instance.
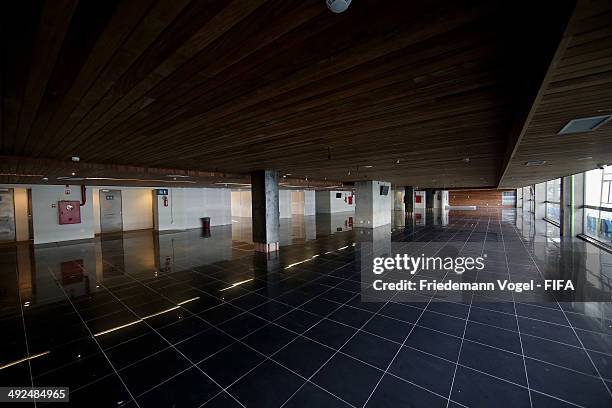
(181, 320)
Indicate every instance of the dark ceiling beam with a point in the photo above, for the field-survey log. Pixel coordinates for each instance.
(524, 117)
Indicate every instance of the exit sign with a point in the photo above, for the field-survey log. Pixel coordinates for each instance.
(161, 191)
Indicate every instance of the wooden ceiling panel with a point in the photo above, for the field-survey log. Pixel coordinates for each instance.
(425, 93)
(578, 84)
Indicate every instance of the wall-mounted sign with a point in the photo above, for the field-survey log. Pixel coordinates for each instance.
(161, 191)
(67, 191)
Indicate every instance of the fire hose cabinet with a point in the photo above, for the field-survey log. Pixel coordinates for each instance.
(69, 212)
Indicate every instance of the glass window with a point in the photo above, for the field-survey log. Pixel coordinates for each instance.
(553, 200)
(598, 204)
(509, 198)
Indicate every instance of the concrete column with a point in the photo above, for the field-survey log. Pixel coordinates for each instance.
(572, 201)
(398, 200)
(309, 202)
(444, 201)
(429, 199)
(409, 199)
(266, 223)
(373, 208)
(540, 201)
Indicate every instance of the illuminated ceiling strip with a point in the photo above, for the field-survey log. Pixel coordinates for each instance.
(24, 359)
(21, 175)
(131, 179)
(235, 284)
(146, 317)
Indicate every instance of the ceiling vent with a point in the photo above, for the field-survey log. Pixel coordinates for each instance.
(535, 163)
(584, 124)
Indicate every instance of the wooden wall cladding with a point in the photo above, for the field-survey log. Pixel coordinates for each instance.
(479, 198)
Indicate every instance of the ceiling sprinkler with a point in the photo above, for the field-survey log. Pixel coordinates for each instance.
(338, 6)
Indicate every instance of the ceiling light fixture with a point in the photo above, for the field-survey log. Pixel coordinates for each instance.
(21, 175)
(535, 163)
(367, 167)
(338, 6)
(131, 179)
(584, 124)
(75, 159)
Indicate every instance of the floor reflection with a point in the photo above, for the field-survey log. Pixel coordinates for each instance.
(148, 317)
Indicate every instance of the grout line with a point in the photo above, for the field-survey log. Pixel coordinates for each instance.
(93, 337)
(467, 318)
(575, 333)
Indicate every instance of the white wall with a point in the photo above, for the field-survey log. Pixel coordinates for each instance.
(297, 202)
(46, 218)
(187, 205)
(373, 210)
(328, 203)
(310, 207)
(420, 205)
(242, 203)
(284, 203)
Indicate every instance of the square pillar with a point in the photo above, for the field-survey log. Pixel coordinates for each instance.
(373, 207)
(266, 223)
(409, 199)
(429, 199)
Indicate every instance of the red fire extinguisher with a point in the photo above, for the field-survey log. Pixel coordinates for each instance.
(165, 201)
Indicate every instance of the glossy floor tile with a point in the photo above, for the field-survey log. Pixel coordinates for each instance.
(182, 320)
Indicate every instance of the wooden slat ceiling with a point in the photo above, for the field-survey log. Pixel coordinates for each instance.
(578, 84)
(412, 88)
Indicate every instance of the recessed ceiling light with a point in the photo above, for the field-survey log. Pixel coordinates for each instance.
(75, 159)
(177, 176)
(73, 173)
(584, 124)
(397, 161)
(535, 163)
(367, 167)
(585, 158)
